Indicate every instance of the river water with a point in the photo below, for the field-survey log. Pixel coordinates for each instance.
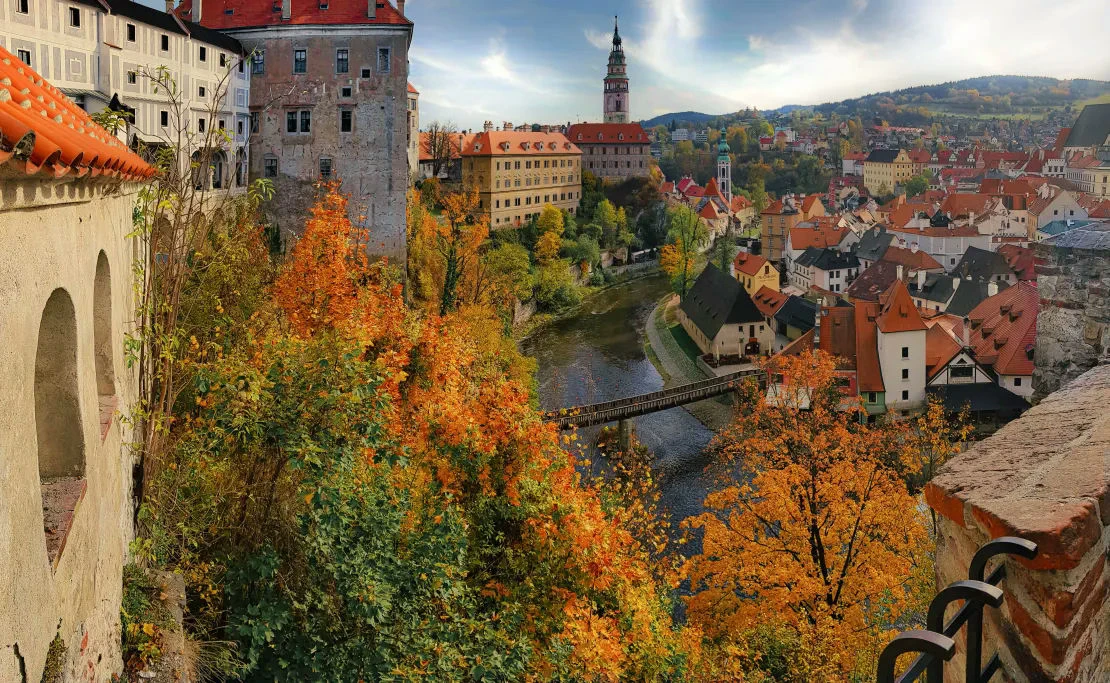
(598, 355)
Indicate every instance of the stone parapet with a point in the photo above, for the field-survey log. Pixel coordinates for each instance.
(1073, 326)
(1044, 477)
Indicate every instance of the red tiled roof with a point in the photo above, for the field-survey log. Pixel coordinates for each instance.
(908, 233)
(456, 142)
(413, 90)
(965, 203)
(749, 264)
(873, 281)
(1004, 328)
(709, 211)
(509, 143)
(855, 156)
(685, 183)
(694, 191)
(774, 207)
(803, 344)
(1021, 261)
(899, 313)
(606, 133)
(712, 189)
(1061, 138)
(232, 14)
(940, 349)
(42, 130)
(912, 260)
(740, 202)
(824, 234)
(869, 374)
(667, 188)
(838, 334)
(808, 202)
(920, 156)
(768, 301)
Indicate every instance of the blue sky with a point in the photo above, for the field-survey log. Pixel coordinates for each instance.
(544, 60)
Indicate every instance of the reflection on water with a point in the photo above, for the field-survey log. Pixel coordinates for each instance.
(598, 355)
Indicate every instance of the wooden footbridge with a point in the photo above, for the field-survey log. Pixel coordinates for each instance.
(624, 409)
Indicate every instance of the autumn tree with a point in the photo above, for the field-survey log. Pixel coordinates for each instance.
(935, 436)
(458, 238)
(438, 142)
(686, 237)
(550, 220)
(823, 536)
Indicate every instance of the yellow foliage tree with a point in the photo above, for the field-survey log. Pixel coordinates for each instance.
(547, 248)
(550, 220)
(823, 537)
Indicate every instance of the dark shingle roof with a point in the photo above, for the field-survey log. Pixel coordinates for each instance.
(827, 259)
(873, 245)
(167, 22)
(1092, 128)
(969, 294)
(980, 263)
(883, 156)
(873, 282)
(987, 397)
(798, 313)
(937, 288)
(1087, 236)
(716, 300)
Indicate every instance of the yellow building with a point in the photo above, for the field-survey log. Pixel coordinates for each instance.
(884, 169)
(755, 272)
(518, 173)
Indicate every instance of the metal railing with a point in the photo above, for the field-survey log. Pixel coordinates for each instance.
(935, 643)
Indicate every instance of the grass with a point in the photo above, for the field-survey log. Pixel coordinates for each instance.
(685, 343)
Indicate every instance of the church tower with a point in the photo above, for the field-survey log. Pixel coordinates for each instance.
(724, 169)
(616, 82)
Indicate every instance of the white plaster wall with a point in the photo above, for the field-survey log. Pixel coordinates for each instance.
(891, 364)
(50, 237)
(1026, 388)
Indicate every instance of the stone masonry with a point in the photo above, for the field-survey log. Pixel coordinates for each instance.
(1073, 327)
(1044, 477)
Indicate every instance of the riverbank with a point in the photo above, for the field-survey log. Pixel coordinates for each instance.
(528, 328)
(677, 367)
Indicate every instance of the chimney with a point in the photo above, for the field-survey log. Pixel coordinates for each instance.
(920, 281)
(992, 288)
(197, 5)
(371, 8)
(401, 7)
(914, 248)
(967, 331)
(898, 270)
(287, 9)
(169, 6)
(956, 283)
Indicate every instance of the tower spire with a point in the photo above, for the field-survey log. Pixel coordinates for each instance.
(616, 32)
(616, 81)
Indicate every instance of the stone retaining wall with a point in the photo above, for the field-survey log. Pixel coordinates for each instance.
(1043, 477)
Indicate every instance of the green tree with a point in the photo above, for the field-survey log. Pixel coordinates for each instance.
(550, 220)
(606, 216)
(685, 238)
(510, 267)
(917, 185)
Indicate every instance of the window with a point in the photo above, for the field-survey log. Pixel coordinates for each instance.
(871, 397)
(342, 63)
(201, 92)
(223, 59)
(75, 17)
(254, 122)
(24, 56)
(346, 121)
(306, 121)
(325, 168)
(962, 373)
(905, 373)
(258, 62)
(131, 33)
(905, 395)
(21, 7)
(269, 167)
(221, 124)
(201, 123)
(300, 61)
(290, 122)
(132, 77)
(365, 73)
(383, 60)
(203, 53)
(165, 43)
(1017, 381)
(239, 127)
(240, 65)
(905, 352)
(345, 91)
(164, 118)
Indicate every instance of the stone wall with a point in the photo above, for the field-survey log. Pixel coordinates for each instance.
(62, 566)
(1073, 327)
(1044, 477)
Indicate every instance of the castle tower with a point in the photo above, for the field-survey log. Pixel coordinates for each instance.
(724, 169)
(616, 82)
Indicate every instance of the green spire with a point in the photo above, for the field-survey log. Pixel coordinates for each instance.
(722, 147)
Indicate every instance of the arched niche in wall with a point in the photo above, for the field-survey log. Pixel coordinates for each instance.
(60, 438)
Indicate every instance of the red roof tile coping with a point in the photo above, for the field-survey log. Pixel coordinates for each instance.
(899, 313)
(43, 131)
(233, 14)
(607, 133)
(1042, 477)
(510, 143)
(749, 264)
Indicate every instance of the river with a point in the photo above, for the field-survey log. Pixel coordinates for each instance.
(598, 355)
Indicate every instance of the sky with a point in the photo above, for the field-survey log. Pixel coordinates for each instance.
(543, 61)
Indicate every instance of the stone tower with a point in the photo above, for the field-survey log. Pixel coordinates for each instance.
(616, 82)
(724, 168)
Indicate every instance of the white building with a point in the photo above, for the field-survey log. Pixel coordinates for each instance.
(901, 347)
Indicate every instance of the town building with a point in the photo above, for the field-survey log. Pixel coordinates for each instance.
(755, 273)
(616, 99)
(1090, 131)
(1003, 334)
(901, 349)
(852, 163)
(780, 217)
(935, 293)
(721, 318)
(724, 169)
(885, 169)
(960, 382)
(826, 269)
(517, 174)
(1090, 173)
(414, 131)
(329, 101)
(105, 54)
(66, 258)
(989, 266)
(612, 151)
(449, 151)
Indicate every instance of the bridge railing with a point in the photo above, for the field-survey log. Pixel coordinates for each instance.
(936, 643)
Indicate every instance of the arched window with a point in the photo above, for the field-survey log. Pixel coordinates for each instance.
(60, 439)
(102, 329)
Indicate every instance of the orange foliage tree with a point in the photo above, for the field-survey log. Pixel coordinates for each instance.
(458, 239)
(823, 536)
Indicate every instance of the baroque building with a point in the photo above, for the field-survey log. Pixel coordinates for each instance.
(329, 101)
(613, 151)
(616, 82)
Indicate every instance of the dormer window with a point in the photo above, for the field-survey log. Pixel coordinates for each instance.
(621, 136)
(524, 145)
(579, 136)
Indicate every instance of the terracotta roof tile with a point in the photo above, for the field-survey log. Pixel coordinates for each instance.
(911, 259)
(43, 131)
(607, 133)
(1004, 328)
(899, 313)
(869, 374)
(509, 143)
(1021, 261)
(749, 264)
(768, 301)
(232, 14)
(413, 90)
(940, 348)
